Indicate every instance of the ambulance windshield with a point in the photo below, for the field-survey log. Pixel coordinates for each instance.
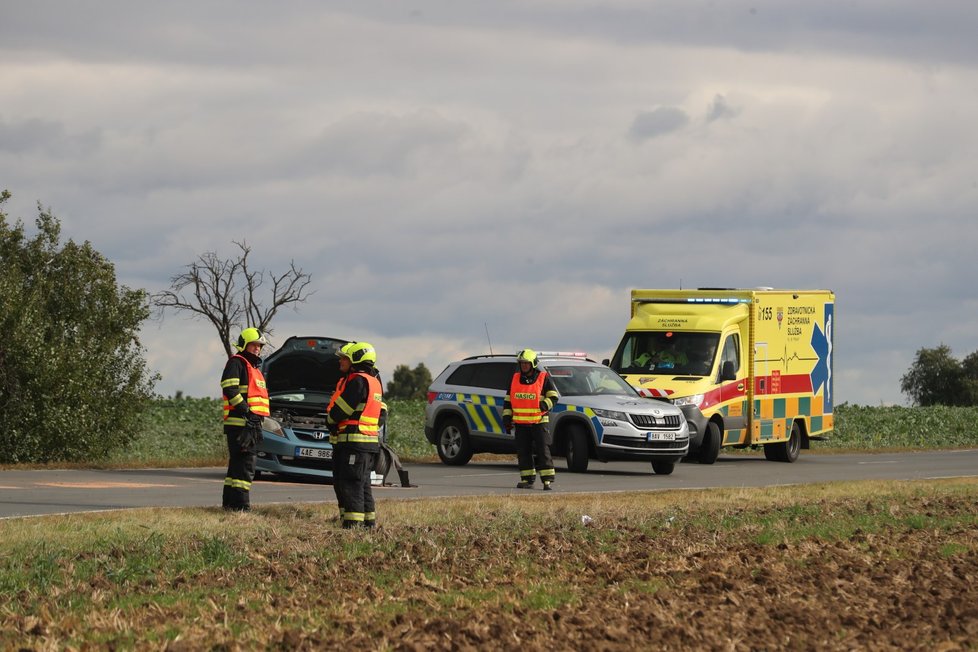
(675, 353)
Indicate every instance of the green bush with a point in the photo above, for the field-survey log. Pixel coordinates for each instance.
(73, 378)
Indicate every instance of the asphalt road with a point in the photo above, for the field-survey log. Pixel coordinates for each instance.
(30, 493)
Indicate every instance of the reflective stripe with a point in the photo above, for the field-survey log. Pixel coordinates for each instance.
(244, 485)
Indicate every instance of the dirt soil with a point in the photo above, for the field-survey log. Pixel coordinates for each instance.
(872, 592)
(836, 574)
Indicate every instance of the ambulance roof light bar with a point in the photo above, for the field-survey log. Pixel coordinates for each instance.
(727, 300)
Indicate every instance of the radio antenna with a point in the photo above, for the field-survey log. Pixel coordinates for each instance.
(486, 324)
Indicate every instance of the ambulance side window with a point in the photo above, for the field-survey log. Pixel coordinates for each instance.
(731, 352)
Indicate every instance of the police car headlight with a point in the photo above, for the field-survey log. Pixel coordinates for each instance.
(694, 399)
(610, 414)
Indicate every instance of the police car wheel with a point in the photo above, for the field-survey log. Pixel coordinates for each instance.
(454, 447)
(663, 467)
(577, 452)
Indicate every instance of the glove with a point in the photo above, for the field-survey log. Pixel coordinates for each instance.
(254, 419)
(507, 425)
(251, 435)
(247, 439)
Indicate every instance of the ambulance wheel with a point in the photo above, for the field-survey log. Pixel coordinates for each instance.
(454, 448)
(663, 467)
(785, 451)
(577, 453)
(710, 448)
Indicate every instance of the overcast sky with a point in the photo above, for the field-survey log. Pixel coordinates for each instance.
(447, 168)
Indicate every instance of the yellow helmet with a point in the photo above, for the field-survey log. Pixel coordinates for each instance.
(248, 336)
(359, 353)
(527, 355)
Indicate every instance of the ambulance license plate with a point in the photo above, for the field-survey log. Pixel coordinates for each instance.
(662, 436)
(318, 453)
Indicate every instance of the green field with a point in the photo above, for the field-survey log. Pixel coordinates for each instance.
(187, 432)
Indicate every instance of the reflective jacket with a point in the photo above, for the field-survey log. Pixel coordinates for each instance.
(530, 403)
(355, 408)
(238, 397)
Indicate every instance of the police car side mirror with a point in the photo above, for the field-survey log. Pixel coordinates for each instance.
(606, 362)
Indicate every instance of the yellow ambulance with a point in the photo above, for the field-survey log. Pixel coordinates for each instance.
(748, 367)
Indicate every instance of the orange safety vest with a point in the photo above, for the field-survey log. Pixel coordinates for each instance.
(255, 393)
(525, 400)
(363, 426)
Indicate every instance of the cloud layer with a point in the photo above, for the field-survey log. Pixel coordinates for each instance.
(444, 170)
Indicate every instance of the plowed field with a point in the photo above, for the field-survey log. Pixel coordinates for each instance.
(825, 568)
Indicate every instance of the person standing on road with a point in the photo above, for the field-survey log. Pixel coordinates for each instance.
(532, 394)
(354, 416)
(245, 406)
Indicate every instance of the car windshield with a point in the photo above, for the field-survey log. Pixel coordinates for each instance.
(581, 380)
(675, 353)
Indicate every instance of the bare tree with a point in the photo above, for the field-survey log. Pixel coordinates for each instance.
(226, 292)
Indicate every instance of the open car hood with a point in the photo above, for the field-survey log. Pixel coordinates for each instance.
(303, 370)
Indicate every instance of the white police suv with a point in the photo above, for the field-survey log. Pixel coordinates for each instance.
(599, 415)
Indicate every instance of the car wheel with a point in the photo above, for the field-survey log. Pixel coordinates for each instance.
(663, 467)
(454, 447)
(785, 451)
(710, 448)
(577, 451)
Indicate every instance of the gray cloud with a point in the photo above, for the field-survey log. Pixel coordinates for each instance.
(447, 167)
(659, 121)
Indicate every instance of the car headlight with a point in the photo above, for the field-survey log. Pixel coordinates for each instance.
(693, 399)
(610, 414)
(273, 427)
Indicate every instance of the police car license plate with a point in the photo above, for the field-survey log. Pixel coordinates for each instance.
(662, 436)
(319, 453)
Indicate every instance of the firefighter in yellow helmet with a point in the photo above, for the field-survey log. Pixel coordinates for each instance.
(245, 407)
(532, 394)
(355, 415)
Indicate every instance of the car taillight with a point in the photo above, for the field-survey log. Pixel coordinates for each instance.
(431, 397)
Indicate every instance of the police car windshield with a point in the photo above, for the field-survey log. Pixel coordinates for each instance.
(580, 380)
